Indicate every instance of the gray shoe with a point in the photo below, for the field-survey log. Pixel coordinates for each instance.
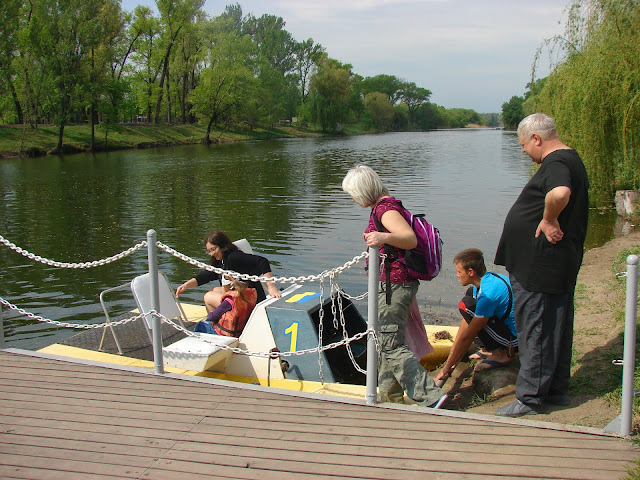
(516, 409)
(559, 399)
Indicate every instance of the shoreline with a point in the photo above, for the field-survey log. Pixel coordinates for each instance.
(23, 141)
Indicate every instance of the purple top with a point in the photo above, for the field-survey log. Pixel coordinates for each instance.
(398, 269)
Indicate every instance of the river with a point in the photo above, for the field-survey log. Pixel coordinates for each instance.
(284, 196)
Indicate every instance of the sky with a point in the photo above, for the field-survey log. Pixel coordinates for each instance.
(473, 54)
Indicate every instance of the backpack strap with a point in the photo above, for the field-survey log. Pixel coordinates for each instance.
(390, 254)
(504, 317)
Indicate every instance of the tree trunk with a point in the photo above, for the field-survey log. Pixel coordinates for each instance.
(169, 112)
(92, 112)
(207, 137)
(17, 103)
(183, 101)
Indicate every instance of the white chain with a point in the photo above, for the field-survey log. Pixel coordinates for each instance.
(331, 274)
(318, 349)
(70, 325)
(255, 278)
(54, 263)
(249, 353)
(183, 257)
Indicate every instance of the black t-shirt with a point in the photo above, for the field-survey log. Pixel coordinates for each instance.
(540, 266)
(240, 262)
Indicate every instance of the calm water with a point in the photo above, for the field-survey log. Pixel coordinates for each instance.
(284, 196)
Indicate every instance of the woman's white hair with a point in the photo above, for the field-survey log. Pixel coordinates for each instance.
(364, 185)
(538, 123)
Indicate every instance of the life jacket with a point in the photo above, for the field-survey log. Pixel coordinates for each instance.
(233, 322)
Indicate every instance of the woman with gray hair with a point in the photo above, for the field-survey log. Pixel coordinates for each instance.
(399, 370)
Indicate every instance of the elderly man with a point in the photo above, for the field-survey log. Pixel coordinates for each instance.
(542, 247)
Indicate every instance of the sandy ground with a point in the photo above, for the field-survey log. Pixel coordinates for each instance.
(598, 339)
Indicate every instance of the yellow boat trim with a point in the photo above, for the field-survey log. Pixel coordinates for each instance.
(342, 390)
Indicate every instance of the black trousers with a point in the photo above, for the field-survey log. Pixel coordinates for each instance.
(544, 324)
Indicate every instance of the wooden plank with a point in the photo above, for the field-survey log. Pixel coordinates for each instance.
(441, 449)
(74, 419)
(415, 425)
(9, 472)
(124, 438)
(125, 432)
(280, 469)
(72, 465)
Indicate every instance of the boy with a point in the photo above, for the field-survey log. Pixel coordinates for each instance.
(487, 313)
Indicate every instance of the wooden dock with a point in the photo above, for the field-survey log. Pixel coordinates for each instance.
(68, 420)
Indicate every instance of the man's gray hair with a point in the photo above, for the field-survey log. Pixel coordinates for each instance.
(538, 123)
(364, 185)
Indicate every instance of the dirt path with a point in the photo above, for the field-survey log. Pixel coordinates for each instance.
(598, 339)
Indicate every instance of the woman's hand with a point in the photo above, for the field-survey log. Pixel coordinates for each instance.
(375, 239)
(273, 290)
(185, 286)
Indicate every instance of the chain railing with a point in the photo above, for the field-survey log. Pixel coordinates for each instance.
(151, 245)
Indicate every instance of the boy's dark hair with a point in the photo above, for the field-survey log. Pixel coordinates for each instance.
(471, 258)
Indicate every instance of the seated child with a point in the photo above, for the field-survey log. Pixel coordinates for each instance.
(231, 316)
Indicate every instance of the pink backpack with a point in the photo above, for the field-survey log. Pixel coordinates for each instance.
(424, 261)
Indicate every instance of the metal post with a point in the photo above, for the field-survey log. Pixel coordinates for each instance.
(372, 313)
(1, 329)
(629, 359)
(155, 300)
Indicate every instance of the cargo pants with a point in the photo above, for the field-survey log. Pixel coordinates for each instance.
(399, 370)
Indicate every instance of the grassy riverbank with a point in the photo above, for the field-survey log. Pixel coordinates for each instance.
(19, 140)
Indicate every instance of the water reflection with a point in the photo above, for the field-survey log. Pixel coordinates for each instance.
(284, 196)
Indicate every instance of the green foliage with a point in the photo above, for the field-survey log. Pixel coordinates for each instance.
(594, 93)
(429, 116)
(73, 62)
(380, 110)
(460, 117)
(387, 84)
(512, 112)
(331, 93)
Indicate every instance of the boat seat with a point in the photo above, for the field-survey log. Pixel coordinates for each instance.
(191, 353)
(141, 290)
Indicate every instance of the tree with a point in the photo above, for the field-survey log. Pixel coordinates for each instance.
(429, 116)
(10, 21)
(387, 84)
(226, 81)
(306, 54)
(64, 35)
(146, 56)
(275, 45)
(380, 110)
(331, 93)
(593, 90)
(512, 112)
(174, 16)
(414, 96)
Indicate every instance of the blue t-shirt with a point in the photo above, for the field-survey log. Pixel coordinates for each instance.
(492, 300)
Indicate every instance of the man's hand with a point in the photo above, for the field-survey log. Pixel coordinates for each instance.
(551, 230)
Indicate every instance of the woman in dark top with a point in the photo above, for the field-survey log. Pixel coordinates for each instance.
(226, 255)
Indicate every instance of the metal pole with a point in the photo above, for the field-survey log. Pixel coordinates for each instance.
(629, 358)
(155, 300)
(1, 329)
(372, 313)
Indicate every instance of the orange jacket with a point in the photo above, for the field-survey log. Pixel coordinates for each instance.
(232, 323)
